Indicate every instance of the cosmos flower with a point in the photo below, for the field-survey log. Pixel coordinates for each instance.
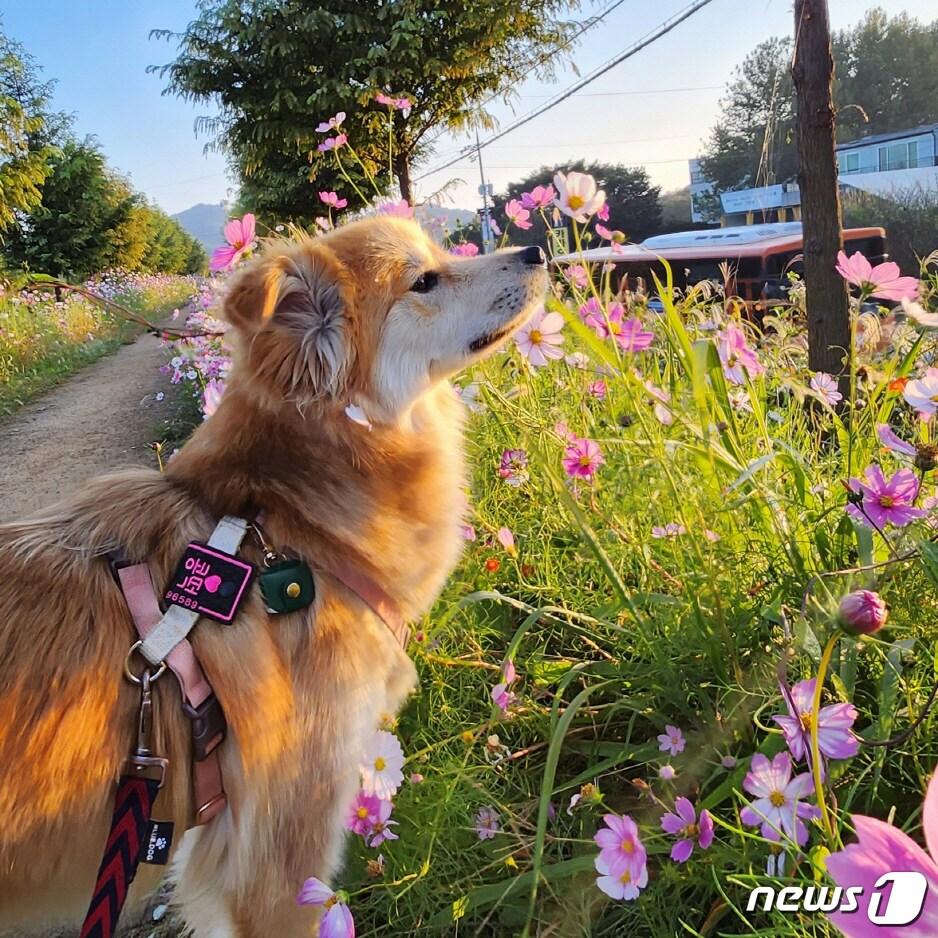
(671, 740)
(836, 738)
(777, 806)
(862, 612)
(825, 386)
(239, 233)
(466, 249)
(513, 467)
(540, 338)
(737, 357)
(577, 275)
(885, 502)
(502, 697)
(883, 280)
(628, 334)
(488, 823)
(332, 200)
(381, 826)
(517, 214)
(540, 197)
(211, 397)
(332, 124)
(582, 458)
(623, 882)
(362, 813)
(400, 209)
(400, 104)
(337, 920)
(382, 764)
(332, 143)
(684, 823)
(917, 313)
(922, 393)
(891, 441)
(577, 195)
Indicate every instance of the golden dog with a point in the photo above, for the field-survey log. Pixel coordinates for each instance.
(374, 315)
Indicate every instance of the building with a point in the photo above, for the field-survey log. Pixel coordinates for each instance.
(885, 165)
(700, 189)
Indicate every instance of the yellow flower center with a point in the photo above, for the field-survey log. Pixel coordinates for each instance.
(584, 460)
(777, 799)
(330, 902)
(691, 831)
(362, 812)
(615, 328)
(807, 718)
(625, 878)
(536, 336)
(575, 201)
(887, 501)
(380, 764)
(628, 845)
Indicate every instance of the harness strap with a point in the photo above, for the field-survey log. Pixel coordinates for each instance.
(133, 809)
(201, 706)
(373, 596)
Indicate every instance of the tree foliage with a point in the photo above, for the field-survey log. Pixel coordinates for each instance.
(278, 68)
(886, 78)
(634, 206)
(25, 149)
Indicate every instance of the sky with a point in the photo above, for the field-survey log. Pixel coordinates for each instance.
(653, 110)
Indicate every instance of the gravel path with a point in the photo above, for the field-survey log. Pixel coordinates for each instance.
(102, 418)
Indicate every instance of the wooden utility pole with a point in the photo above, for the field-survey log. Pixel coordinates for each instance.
(828, 307)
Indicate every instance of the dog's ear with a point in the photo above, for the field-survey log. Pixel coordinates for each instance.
(293, 307)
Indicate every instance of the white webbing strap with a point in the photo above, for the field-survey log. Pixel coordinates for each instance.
(178, 622)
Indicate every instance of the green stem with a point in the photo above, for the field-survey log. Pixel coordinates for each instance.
(815, 745)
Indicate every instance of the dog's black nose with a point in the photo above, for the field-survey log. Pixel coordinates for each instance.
(533, 255)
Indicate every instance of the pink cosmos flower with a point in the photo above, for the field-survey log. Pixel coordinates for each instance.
(737, 357)
(683, 822)
(400, 209)
(337, 920)
(467, 249)
(622, 860)
(577, 275)
(540, 339)
(582, 458)
(627, 333)
(885, 502)
(825, 386)
(615, 236)
(922, 393)
(883, 280)
(506, 539)
(836, 738)
(239, 233)
(362, 813)
(777, 805)
(661, 400)
(671, 529)
(598, 390)
(332, 143)
(671, 740)
(400, 104)
(502, 697)
(332, 124)
(882, 848)
(577, 195)
(602, 212)
(468, 532)
(893, 442)
(539, 197)
(332, 200)
(516, 213)
(381, 826)
(211, 397)
(862, 612)
(513, 467)
(487, 824)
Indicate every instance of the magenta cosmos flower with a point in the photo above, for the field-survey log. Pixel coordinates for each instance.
(516, 213)
(862, 612)
(539, 197)
(513, 467)
(337, 921)
(502, 696)
(332, 143)
(836, 738)
(239, 233)
(882, 848)
(380, 830)
(777, 805)
(540, 340)
(400, 104)
(885, 502)
(577, 195)
(883, 280)
(619, 843)
(892, 441)
(683, 822)
(671, 740)
(466, 249)
(582, 458)
(362, 813)
(737, 357)
(576, 274)
(628, 333)
(332, 200)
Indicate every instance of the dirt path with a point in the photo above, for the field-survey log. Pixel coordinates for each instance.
(101, 418)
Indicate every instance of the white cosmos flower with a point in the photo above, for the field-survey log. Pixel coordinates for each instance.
(577, 195)
(382, 765)
(922, 394)
(917, 312)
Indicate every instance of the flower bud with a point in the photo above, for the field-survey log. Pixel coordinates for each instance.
(926, 457)
(862, 612)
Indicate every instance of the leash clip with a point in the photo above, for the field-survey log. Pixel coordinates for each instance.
(142, 763)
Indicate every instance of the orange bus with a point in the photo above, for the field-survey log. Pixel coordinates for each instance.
(759, 258)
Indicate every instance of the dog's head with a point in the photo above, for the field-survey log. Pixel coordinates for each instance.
(374, 313)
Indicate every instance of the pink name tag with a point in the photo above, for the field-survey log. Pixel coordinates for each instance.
(210, 582)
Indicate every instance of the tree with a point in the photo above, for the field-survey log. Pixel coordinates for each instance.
(25, 147)
(277, 69)
(886, 79)
(633, 201)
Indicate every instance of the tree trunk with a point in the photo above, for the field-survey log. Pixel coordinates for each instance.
(827, 299)
(402, 171)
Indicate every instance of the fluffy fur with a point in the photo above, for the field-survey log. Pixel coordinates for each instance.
(317, 325)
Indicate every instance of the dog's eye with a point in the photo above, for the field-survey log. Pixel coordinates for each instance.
(425, 282)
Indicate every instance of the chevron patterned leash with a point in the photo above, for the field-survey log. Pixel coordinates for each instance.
(133, 808)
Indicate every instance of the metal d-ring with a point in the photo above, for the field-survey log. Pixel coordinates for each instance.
(137, 678)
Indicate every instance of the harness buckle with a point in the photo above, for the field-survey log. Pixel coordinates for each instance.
(209, 726)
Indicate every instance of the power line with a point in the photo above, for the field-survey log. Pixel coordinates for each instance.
(616, 94)
(636, 47)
